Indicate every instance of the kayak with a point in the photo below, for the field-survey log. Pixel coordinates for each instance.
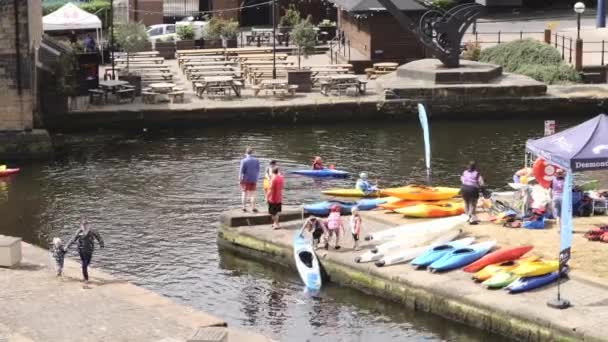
(435, 253)
(426, 226)
(530, 283)
(422, 193)
(398, 204)
(432, 210)
(323, 208)
(349, 193)
(501, 255)
(500, 279)
(462, 256)
(407, 254)
(7, 172)
(505, 266)
(306, 262)
(321, 173)
(536, 268)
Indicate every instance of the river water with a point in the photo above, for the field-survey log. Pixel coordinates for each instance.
(156, 196)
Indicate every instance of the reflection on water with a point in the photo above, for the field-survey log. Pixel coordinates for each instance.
(156, 197)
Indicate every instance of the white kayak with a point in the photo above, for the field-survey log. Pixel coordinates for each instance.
(412, 253)
(419, 227)
(307, 262)
(414, 239)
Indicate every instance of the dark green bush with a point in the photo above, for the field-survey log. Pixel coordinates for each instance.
(97, 7)
(528, 57)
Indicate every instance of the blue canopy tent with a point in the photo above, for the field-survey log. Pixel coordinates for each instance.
(579, 148)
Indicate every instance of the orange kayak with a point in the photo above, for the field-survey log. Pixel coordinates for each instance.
(398, 204)
(421, 193)
(432, 210)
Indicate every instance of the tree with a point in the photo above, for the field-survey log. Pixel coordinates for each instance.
(131, 37)
(304, 37)
(185, 32)
(291, 17)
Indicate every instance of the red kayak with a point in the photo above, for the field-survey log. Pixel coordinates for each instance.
(8, 172)
(501, 255)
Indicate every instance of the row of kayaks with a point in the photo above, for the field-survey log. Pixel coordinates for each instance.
(431, 245)
(409, 192)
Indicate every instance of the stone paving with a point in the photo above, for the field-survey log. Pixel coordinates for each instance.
(37, 306)
(584, 320)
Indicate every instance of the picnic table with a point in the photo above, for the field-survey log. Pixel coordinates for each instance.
(140, 60)
(342, 82)
(137, 54)
(202, 74)
(191, 65)
(382, 68)
(162, 88)
(112, 85)
(217, 85)
(117, 88)
(276, 86)
(266, 56)
(210, 58)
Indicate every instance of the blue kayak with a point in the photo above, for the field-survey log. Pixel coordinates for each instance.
(435, 253)
(321, 173)
(529, 283)
(322, 208)
(462, 256)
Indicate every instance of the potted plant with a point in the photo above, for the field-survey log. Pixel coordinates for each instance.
(289, 20)
(304, 37)
(166, 47)
(213, 33)
(185, 33)
(132, 37)
(230, 31)
(329, 27)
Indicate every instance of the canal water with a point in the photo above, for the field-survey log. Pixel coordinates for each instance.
(156, 196)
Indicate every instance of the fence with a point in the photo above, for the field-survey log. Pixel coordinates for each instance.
(563, 44)
(501, 36)
(597, 47)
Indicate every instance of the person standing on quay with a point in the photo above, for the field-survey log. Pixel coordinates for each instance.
(249, 172)
(471, 183)
(275, 197)
(85, 238)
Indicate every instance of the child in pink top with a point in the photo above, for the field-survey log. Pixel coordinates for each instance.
(334, 225)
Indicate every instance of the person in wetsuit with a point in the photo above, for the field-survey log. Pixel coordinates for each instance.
(85, 239)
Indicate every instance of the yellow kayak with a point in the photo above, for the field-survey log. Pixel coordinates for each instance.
(507, 266)
(349, 193)
(422, 193)
(536, 268)
(433, 210)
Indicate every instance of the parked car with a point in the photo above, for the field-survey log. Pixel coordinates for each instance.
(169, 31)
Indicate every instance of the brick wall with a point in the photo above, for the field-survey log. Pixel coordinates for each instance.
(390, 42)
(357, 30)
(17, 69)
(217, 5)
(150, 12)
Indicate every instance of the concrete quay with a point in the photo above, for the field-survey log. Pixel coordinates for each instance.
(452, 295)
(38, 306)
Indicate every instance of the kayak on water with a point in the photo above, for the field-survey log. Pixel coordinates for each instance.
(323, 208)
(530, 283)
(307, 263)
(413, 239)
(7, 172)
(321, 173)
(501, 255)
(350, 193)
(407, 254)
(428, 225)
(462, 256)
(422, 193)
(505, 266)
(429, 210)
(437, 252)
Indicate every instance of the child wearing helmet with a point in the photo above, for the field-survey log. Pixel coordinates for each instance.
(364, 185)
(334, 226)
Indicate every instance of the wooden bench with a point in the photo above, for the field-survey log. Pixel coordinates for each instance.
(97, 96)
(125, 94)
(292, 89)
(177, 96)
(148, 97)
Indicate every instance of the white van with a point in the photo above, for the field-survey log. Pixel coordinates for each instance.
(164, 31)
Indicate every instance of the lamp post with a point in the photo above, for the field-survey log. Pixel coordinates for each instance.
(112, 37)
(274, 41)
(579, 8)
(601, 14)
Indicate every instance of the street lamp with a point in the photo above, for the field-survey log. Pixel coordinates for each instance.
(579, 8)
(274, 41)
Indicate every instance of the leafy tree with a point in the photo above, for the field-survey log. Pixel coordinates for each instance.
(219, 28)
(132, 37)
(304, 37)
(442, 5)
(185, 32)
(291, 17)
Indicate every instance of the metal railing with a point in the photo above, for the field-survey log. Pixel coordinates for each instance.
(597, 47)
(563, 44)
(502, 36)
(339, 47)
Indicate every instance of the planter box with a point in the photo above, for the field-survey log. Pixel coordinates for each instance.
(212, 44)
(165, 49)
(231, 43)
(134, 80)
(301, 78)
(185, 45)
(10, 251)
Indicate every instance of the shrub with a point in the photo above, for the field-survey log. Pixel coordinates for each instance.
(291, 17)
(471, 52)
(185, 32)
(540, 61)
(132, 37)
(304, 37)
(442, 5)
(221, 28)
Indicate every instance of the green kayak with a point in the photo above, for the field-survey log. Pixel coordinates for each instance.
(500, 279)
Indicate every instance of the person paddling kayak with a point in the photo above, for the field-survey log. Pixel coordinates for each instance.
(364, 185)
(317, 163)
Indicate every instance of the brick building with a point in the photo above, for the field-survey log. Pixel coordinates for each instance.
(20, 34)
(259, 13)
(149, 12)
(374, 35)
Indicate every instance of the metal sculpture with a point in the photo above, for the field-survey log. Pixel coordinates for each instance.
(440, 31)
